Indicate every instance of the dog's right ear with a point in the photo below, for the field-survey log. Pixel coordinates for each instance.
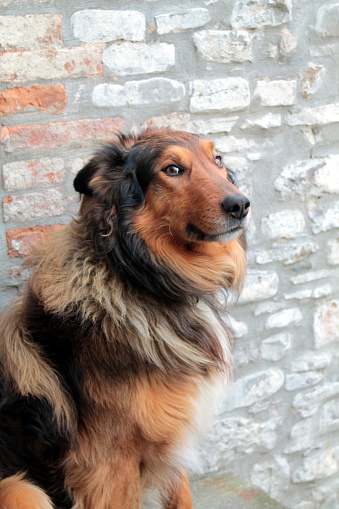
(83, 178)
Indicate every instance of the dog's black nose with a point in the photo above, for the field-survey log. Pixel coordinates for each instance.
(236, 205)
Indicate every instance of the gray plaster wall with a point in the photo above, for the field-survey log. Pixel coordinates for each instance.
(260, 78)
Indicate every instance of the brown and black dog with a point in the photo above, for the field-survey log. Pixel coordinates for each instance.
(118, 340)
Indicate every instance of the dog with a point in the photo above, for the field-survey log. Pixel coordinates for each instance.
(110, 356)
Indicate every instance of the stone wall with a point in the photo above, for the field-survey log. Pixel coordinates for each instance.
(258, 77)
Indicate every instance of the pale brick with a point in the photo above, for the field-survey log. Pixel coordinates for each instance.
(22, 242)
(307, 403)
(50, 64)
(94, 25)
(212, 125)
(224, 46)
(229, 94)
(310, 293)
(259, 285)
(287, 42)
(316, 466)
(324, 218)
(316, 115)
(265, 122)
(272, 476)
(329, 417)
(76, 133)
(296, 381)
(285, 318)
(33, 205)
(154, 90)
(253, 388)
(29, 174)
(176, 121)
(17, 99)
(333, 251)
(181, 20)
(311, 361)
(301, 436)
(275, 347)
(326, 323)
(228, 144)
(249, 14)
(288, 254)
(276, 93)
(30, 31)
(328, 20)
(285, 224)
(311, 79)
(307, 277)
(127, 58)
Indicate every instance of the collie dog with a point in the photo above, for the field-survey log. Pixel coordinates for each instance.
(110, 356)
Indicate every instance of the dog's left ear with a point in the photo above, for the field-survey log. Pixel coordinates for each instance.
(83, 178)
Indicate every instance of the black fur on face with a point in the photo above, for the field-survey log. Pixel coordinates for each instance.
(114, 183)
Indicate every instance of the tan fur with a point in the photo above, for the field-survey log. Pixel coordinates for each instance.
(17, 493)
(30, 373)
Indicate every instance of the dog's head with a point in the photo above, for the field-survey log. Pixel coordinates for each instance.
(164, 201)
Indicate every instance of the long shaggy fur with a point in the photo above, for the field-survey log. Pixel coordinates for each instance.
(118, 340)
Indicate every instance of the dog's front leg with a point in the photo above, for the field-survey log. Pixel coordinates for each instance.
(112, 485)
(178, 496)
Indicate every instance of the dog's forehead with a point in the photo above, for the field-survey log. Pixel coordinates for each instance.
(187, 148)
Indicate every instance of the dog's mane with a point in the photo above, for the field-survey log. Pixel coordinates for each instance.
(99, 263)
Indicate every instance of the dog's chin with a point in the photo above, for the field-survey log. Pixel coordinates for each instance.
(228, 234)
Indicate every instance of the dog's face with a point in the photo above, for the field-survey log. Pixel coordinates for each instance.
(179, 183)
(193, 194)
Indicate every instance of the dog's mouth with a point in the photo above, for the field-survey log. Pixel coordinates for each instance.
(229, 234)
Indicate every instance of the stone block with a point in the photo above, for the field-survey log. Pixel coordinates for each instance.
(260, 13)
(276, 93)
(328, 20)
(273, 476)
(126, 58)
(259, 285)
(96, 25)
(182, 20)
(333, 252)
(326, 323)
(34, 173)
(224, 46)
(288, 253)
(224, 94)
(316, 466)
(301, 436)
(296, 381)
(275, 347)
(285, 224)
(285, 318)
(315, 115)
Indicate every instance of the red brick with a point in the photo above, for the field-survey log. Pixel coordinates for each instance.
(21, 242)
(15, 100)
(76, 133)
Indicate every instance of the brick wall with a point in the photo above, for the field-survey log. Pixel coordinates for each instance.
(260, 78)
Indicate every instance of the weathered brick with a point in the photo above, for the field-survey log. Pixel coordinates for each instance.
(276, 93)
(53, 63)
(30, 174)
(15, 100)
(157, 90)
(316, 115)
(228, 94)
(33, 205)
(249, 14)
(328, 20)
(22, 241)
(181, 20)
(224, 45)
(60, 134)
(94, 25)
(285, 224)
(31, 31)
(326, 323)
(127, 58)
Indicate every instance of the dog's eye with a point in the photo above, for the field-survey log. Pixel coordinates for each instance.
(218, 161)
(173, 170)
